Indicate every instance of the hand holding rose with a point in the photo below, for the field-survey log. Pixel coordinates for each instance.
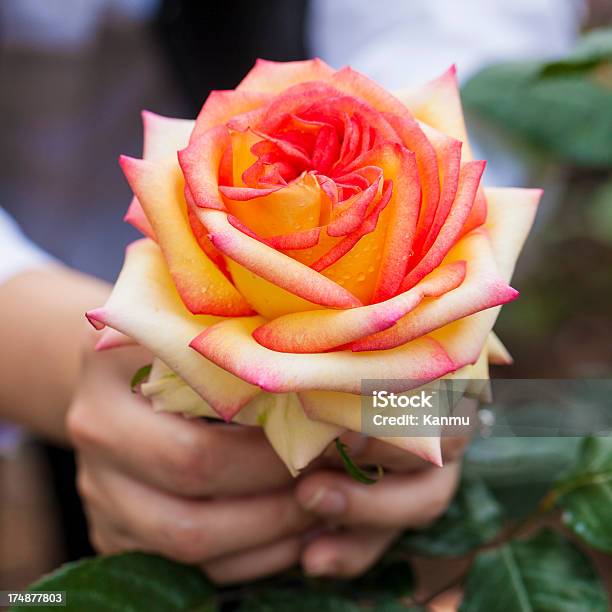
(219, 496)
(214, 495)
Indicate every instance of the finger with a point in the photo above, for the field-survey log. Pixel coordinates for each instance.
(106, 537)
(345, 554)
(255, 563)
(189, 530)
(397, 500)
(191, 458)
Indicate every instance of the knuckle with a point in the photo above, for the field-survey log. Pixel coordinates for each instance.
(85, 485)
(81, 427)
(218, 573)
(184, 540)
(289, 516)
(348, 569)
(192, 460)
(97, 541)
(436, 506)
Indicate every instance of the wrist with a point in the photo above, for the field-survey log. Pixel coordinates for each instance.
(44, 330)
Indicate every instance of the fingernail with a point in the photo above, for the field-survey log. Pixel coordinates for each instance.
(326, 501)
(321, 567)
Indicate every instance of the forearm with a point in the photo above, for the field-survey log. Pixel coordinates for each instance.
(43, 330)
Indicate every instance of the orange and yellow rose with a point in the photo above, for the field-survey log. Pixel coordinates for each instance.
(307, 231)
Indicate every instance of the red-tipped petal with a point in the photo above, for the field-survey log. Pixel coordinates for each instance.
(316, 331)
(438, 103)
(274, 77)
(469, 181)
(230, 345)
(483, 287)
(272, 265)
(200, 163)
(145, 305)
(202, 286)
(111, 339)
(221, 106)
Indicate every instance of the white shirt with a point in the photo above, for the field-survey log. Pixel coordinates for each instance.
(17, 253)
(401, 43)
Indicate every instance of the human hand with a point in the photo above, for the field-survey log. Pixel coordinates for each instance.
(214, 495)
(365, 519)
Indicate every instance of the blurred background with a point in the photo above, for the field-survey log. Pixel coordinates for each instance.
(75, 74)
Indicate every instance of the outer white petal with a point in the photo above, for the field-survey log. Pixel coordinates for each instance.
(145, 305)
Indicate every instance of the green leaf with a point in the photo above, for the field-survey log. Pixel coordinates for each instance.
(388, 578)
(129, 582)
(282, 600)
(593, 49)
(584, 493)
(564, 112)
(599, 214)
(354, 470)
(473, 518)
(519, 471)
(545, 573)
(308, 600)
(140, 376)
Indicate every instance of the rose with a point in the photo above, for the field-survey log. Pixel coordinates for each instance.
(307, 231)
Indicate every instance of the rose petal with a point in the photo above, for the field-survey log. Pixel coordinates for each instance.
(358, 248)
(317, 331)
(221, 106)
(111, 339)
(274, 77)
(286, 210)
(401, 220)
(164, 136)
(200, 163)
(266, 262)
(448, 153)
(296, 438)
(136, 217)
(498, 354)
(491, 253)
(265, 297)
(145, 305)
(469, 181)
(483, 287)
(509, 219)
(345, 410)
(438, 103)
(203, 287)
(230, 345)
